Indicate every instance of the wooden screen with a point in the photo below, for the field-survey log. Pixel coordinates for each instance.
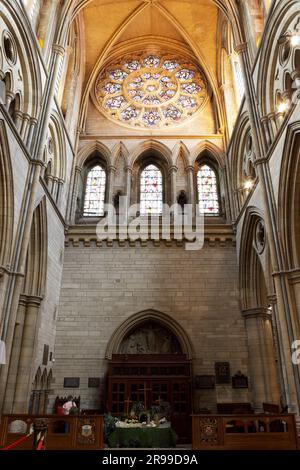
(152, 379)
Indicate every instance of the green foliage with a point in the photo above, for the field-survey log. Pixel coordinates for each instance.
(109, 426)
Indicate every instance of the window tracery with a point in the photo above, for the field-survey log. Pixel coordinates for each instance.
(151, 91)
(151, 191)
(95, 192)
(207, 185)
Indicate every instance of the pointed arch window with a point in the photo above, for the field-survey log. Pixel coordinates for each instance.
(207, 185)
(95, 192)
(151, 191)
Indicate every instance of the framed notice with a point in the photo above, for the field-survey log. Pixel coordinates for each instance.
(71, 382)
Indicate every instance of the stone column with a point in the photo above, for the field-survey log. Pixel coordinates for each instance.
(262, 365)
(32, 125)
(24, 375)
(191, 190)
(111, 183)
(173, 175)
(128, 170)
(190, 174)
(14, 288)
(15, 357)
(18, 120)
(289, 327)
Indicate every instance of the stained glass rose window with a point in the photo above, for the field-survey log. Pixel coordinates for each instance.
(151, 91)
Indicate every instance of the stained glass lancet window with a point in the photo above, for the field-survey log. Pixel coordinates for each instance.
(151, 191)
(95, 192)
(207, 191)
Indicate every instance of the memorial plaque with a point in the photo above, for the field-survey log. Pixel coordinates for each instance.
(222, 372)
(239, 381)
(204, 381)
(94, 382)
(71, 382)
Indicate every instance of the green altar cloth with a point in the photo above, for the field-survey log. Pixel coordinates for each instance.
(143, 437)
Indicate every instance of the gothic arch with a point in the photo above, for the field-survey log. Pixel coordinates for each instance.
(242, 162)
(36, 262)
(154, 146)
(6, 199)
(206, 146)
(271, 64)
(27, 59)
(138, 319)
(181, 151)
(253, 282)
(289, 197)
(95, 147)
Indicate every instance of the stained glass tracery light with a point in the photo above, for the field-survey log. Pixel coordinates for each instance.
(207, 191)
(95, 192)
(151, 91)
(151, 191)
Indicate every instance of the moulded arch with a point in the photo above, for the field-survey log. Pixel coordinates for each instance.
(89, 149)
(59, 163)
(6, 198)
(154, 146)
(253, 285)
(289, 197)
(181, 151)
(283, 15)
(137, 319)
(210, 148)
(119, 151)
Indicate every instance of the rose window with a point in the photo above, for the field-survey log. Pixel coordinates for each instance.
(151, 91)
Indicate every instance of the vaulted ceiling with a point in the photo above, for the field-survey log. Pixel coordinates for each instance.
(108, 23)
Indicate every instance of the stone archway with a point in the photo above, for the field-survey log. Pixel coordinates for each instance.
(150, 363)
(165, 321)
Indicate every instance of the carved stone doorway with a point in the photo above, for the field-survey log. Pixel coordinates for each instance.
(151, 368)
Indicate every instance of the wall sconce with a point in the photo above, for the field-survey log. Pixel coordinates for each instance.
(295, 39)
(248, 184)
(283, 107)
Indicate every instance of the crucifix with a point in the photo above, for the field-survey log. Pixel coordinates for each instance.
(159, 401)
(127, 403)
(145, 390)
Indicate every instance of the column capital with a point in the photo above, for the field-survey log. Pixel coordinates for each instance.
(112, 168)
(257, 312)
(173, 168)
(31, 300)
(241, 48)
(58, 49)
(190, 168)
(128, 168)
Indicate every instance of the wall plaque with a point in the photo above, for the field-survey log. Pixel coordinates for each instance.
(222, 372)
(94, 382)
(204, 381)
(71, 382)
(239, 381)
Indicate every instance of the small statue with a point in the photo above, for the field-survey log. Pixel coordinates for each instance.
(116, 199)
(182, 198)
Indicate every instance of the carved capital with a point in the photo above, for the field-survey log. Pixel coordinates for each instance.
(58, 49)
(257, 312)
(241, 48)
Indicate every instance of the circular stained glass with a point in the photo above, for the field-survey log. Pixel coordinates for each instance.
(151, 91)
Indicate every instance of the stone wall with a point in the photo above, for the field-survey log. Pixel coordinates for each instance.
(103, 286)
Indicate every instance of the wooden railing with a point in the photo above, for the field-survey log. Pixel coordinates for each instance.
(80, 432)
(244, 432)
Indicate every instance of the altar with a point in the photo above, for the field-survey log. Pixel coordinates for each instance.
(143, 437)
